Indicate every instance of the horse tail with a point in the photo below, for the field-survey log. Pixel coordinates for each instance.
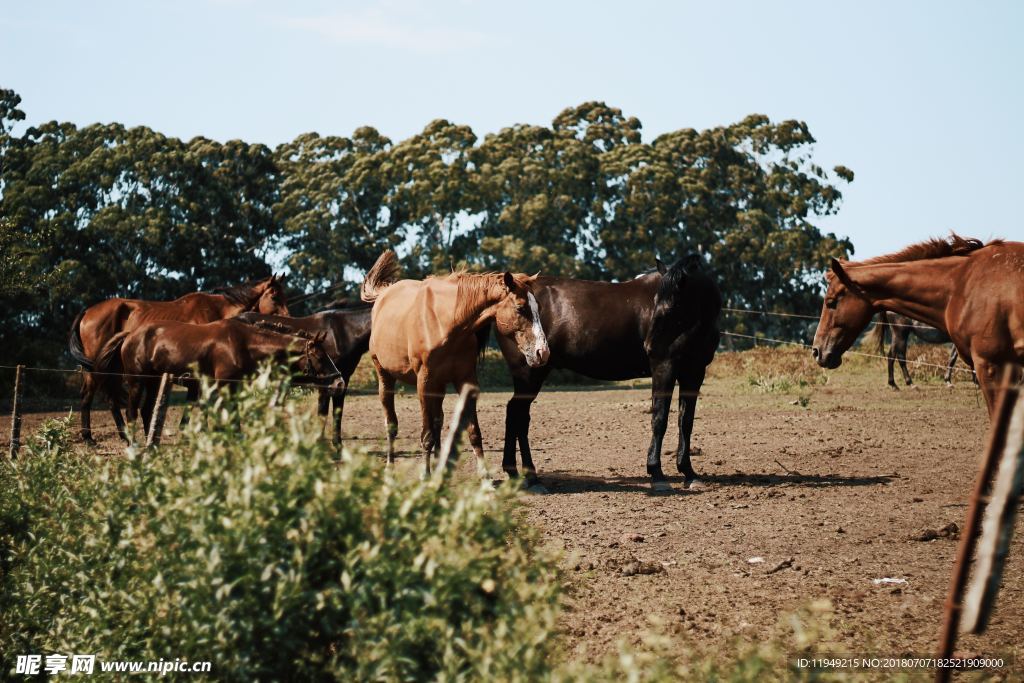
(108, 362)
(876, 337)
(75, 347)
(380, 276)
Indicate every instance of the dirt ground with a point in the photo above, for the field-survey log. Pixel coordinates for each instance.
(840, 486)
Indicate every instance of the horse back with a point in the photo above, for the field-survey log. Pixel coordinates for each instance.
(595, 328)
(175, 346)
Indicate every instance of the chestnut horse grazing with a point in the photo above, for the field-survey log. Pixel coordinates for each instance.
(224, 350)
(424, 333)
(95, 326)
(973, 292)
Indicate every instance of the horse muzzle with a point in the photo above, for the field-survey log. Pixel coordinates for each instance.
(827, 359)
(540, 355)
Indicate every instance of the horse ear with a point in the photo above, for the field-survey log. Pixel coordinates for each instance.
(661, 266)
(509, 281)
(841, 273)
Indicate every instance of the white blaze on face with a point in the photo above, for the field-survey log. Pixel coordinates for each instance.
(540, 342)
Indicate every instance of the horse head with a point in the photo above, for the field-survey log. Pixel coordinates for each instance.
(271, 299)
(678, 312)
(518, 316)
(316, 362)
(845, 313)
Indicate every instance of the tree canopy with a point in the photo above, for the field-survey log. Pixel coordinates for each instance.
(105, 210)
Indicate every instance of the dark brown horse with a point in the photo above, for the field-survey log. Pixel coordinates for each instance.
(900, 327)
(95, 326)
(973, 292)
(662, 325)
(224, 350)
(347, 338)
(425, 333)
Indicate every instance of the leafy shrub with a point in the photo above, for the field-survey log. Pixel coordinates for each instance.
(249, 545)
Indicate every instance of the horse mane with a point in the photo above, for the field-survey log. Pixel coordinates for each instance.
(936, 247)
(474, 288)
(671, 280)
(282, 328)
(243, 295)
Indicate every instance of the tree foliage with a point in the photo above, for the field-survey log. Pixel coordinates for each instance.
(102, 210)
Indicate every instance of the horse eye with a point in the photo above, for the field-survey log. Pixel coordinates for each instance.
(832, 303)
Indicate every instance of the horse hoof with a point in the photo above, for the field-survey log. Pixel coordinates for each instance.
(91, 442)
(661, 486)
(949, 385)
(695, 485)
(894, 387)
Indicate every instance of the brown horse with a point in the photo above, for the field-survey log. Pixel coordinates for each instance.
(95, 326)
(225, 350)
(425, 333)
(973, 292)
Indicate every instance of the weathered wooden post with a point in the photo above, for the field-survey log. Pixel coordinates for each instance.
(19, 386)
(969, 534)
(996, 528)
(156, 425)
(464, 409)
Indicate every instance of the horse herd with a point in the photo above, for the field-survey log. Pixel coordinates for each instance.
(429, 334)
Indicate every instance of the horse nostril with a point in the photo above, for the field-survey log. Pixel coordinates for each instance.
(815, 352)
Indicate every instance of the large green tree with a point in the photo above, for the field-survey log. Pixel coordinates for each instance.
(104, 210)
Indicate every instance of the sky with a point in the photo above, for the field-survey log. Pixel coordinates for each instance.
(919, 99)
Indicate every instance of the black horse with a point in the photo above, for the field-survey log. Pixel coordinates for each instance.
(348, 338)
(901, 327)
(662, 325)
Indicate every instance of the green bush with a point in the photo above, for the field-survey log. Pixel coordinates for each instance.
(250, 545)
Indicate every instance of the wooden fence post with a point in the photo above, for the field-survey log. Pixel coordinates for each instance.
(464, 408)
(156, 425)
(19, 387)
(969, 534)
(996, 528)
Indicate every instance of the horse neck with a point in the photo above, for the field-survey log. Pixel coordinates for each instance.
(475, 302)
(264, 344)
(917, 289)
(218, 305)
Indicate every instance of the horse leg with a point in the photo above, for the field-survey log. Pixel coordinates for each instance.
(191, 397)
(475, 438)
(901, 354)
(517, 427)
(431, 399)
(891, 362)
(386, 391)
(662, 384)
(148, 405)
(115, 411)
(988, 380)
(953, 355)
(323, 406)
(689, 388)
(339, 410)
(89, 386)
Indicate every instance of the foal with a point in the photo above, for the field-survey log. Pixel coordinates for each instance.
(225, 350)
(424, 333)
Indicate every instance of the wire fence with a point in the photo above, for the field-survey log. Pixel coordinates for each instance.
(757, 339)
